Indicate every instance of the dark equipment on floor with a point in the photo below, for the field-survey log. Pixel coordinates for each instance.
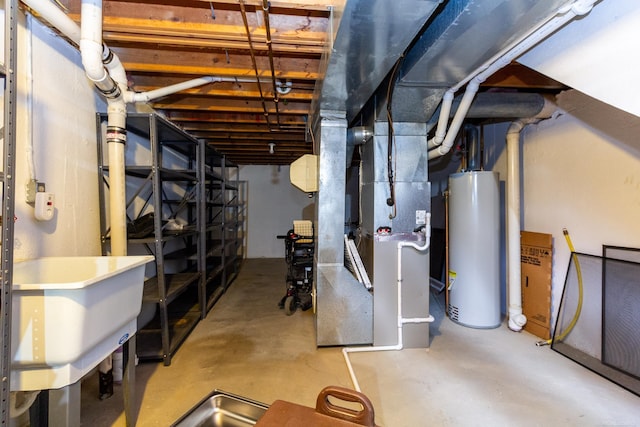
(299, 245)
(335, 407)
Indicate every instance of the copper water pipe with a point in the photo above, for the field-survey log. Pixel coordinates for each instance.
(265, 14)
(253, 60)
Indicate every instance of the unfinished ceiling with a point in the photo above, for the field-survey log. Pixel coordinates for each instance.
(161, 43)
(271, 50)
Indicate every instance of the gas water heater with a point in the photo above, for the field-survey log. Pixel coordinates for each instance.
(474, 249)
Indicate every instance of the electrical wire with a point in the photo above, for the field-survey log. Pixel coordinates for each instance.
(576, 315)
(391, 201)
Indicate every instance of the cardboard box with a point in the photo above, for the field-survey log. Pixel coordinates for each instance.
(536, 256)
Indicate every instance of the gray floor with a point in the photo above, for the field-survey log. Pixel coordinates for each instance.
(468, 377)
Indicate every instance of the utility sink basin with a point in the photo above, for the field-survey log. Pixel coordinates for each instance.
(69, 313)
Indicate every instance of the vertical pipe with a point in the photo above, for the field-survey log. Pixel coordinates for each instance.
(401, 321)
(116, 143)
(514, 287)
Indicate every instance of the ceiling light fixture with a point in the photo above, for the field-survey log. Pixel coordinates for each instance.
(272, 146)
(283, 88)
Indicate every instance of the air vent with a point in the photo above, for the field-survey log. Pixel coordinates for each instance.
(453, 313)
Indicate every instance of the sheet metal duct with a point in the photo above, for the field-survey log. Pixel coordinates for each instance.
(461, 38)
(443, 43)
(370, 36)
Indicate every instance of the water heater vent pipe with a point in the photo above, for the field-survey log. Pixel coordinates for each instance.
(401, 321)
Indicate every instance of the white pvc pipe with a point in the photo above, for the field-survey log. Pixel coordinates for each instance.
(516, 319)
(115, 68)
(514, 282)
(458, 118)
(91, 50)
(91, 44)
(401, 321)
(104, 68)
(168, 90)
(56, 17)
(116, 144)
(503, 58)
(443, 120)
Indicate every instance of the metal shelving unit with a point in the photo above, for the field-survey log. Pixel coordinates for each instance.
(220, 253)
(163, 179)
(233, 222)
(173, 177)
(8, 71)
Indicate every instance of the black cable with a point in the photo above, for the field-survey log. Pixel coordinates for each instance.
(391, 201)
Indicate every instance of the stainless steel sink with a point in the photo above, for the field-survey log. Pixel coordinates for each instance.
(222, 409)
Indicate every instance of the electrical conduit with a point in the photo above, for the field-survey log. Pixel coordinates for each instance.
(401, 321)
(503, 58)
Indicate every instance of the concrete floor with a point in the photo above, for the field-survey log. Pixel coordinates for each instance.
(468, 377)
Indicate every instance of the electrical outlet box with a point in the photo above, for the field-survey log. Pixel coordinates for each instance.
(34, 187)
(45, 206)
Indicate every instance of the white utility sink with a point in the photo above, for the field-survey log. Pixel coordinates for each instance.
(69, 313)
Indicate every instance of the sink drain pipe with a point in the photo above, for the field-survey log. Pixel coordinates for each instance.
(401, 321)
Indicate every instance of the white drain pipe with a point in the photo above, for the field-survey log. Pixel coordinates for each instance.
(105, 70)
(514, 284)
(91, 49)
(168, 90)
(503, 58)
(56, 17)
(401, 321)
(514, 281)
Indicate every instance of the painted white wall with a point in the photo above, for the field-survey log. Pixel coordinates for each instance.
(62, 127)
(594, 54)
(580, 171)
(272, 205)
